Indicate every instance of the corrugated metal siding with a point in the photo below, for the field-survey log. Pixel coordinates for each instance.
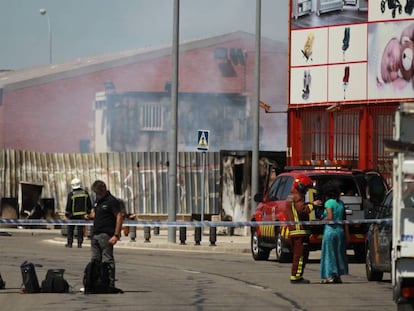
(139, 178)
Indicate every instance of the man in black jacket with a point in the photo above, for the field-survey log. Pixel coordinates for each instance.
(107, 227)
(78, 205)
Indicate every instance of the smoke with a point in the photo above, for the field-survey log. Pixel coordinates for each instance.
(84, 28)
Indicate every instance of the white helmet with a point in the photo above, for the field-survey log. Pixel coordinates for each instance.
(75, 183)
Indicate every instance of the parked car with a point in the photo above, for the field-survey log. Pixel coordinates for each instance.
(362, 192)
(379, 242)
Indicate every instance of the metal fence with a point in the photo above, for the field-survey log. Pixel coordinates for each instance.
(338, 135)
(139, 178)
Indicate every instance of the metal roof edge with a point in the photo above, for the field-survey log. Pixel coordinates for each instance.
(88, 65)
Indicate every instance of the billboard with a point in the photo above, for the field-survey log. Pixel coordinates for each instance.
(351, 51)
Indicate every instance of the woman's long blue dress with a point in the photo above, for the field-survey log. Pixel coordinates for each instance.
(334, 261)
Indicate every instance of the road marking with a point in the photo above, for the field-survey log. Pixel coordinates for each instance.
(265, 289)
(192, 271)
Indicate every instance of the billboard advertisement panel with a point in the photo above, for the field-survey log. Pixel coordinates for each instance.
(351, 51)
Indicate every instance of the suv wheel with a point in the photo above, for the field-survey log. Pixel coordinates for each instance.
(372, 273)
(281, 254)
(258, 252)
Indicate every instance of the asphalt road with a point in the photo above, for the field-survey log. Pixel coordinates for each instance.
(159, 279)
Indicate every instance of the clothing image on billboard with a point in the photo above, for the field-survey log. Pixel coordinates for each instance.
(392, 5)
(307, 79)
(308, 47)
(345, 41)
(409, 6)
(308, 85)
(345, 80)
(390, 10)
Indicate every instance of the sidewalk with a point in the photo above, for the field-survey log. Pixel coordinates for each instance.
(237, 243)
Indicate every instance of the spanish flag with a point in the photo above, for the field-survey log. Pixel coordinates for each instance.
(264, 106)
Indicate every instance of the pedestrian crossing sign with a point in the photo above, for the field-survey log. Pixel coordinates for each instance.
(202, 140)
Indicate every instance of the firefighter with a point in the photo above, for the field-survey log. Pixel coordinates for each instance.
(78, 206)
(298, 235)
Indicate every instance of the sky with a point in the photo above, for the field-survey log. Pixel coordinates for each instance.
(82, 28)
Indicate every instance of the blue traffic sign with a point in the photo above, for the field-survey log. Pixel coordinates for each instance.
(202, 140)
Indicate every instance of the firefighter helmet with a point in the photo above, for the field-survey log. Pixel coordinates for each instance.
(302, 183)
(75, 183)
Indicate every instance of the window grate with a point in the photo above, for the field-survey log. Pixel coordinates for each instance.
(346, 135)
(152, 117)
(337, 135)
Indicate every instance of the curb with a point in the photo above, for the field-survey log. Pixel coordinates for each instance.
(224, 243)
(240, 245)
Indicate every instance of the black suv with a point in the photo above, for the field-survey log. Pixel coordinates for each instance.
(379, 242)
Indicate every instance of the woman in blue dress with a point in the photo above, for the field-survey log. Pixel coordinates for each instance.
(334, 262)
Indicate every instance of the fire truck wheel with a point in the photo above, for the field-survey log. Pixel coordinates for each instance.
(258, 252)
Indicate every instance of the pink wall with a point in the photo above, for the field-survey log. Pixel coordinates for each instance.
(55, 116)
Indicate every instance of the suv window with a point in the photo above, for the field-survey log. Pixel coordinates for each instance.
(273, 189)
(280, 188)
(386, 208)
(376, 186)
(285, 187)
(388, 200)
(346, 183)
(372, 185)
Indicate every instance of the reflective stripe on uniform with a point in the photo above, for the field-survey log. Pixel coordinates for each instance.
(284, 231)
(79, 196)
(299, 232)
(299, 271)
(295, 217)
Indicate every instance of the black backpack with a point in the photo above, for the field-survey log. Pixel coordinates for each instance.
(54, 282)
(96, 278)
(30, 282)
(2, 283)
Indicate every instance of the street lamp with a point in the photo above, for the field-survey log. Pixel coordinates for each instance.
(44, 12)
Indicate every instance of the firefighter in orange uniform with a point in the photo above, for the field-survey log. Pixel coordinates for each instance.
(299, 237)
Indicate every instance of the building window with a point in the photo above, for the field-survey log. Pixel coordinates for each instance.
(152, 117)
(100, 100)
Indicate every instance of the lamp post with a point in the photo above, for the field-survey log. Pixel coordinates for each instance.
(44, 12)
(172, 170)
(256, 105)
